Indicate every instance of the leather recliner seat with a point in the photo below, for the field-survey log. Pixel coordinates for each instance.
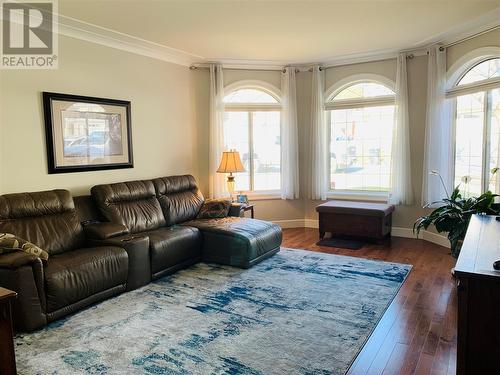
(134, 204)
(75, 275)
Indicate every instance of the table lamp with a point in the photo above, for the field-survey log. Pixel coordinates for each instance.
(230, 163)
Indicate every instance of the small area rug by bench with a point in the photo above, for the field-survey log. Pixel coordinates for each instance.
(298, 312)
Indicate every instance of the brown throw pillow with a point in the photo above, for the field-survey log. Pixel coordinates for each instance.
(10, 242)
(214, 208)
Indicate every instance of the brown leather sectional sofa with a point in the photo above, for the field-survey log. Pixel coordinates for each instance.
(119, 238)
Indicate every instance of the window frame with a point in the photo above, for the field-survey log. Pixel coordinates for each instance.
(250, 109)
(455, 74)
(330, 105)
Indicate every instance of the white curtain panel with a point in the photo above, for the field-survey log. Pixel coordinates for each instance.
(217, 184)
(401, 190)
(289, 136)
(318, 145)
(438, 155)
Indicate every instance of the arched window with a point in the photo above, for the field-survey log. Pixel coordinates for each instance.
(476, 95)
(252, 127)
(360, 117)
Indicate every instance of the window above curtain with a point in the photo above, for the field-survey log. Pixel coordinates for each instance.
(250, 95)
(361, 94)
(363, 90)
(483, 71)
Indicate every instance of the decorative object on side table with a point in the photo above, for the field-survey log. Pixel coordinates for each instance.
(230, 163)
(242, 198)
(86, 134)
(7, 354)
(454, 213)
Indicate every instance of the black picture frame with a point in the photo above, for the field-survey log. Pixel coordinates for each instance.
(48, 98)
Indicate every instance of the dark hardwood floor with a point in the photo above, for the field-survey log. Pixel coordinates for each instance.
(418, 332)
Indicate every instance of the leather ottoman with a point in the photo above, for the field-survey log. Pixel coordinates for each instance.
(239, 242)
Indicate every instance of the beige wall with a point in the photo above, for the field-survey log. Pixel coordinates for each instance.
(164, 133)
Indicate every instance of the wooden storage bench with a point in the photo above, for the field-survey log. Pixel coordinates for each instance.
(355, 219)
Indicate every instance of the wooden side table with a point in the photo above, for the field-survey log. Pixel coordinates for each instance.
(7, 354)
(248, 207)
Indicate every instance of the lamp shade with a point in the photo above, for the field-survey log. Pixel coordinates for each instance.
(231, 162)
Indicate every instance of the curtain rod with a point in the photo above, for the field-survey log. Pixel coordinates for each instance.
(297, 69)
(471, 36)
(409, 56)
(195, 67)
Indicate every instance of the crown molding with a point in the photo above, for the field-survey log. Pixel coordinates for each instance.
(359, 58)
(82, 30)
(77, 29)
(356, 58)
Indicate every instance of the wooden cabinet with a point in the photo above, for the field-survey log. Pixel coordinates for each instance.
(478, 288)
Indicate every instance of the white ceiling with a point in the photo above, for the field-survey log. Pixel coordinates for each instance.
(291, 31)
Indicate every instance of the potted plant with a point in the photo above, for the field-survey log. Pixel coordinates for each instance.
(454, 212)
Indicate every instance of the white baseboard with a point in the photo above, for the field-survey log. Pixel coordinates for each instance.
(402, 232)
(396, 231)
(426, 235)
(438, 239)
(295, 223)
(311, 223)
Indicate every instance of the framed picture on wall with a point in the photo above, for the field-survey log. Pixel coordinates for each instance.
(86, 134)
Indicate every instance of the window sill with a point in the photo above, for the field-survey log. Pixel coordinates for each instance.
(262, 196)
(358, 196)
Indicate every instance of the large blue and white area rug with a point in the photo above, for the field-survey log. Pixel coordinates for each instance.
(298, 312)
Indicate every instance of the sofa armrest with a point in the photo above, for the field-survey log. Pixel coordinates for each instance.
(104, 231)
(236, 210)
(24, 274)
(16, 259)
(139, 263)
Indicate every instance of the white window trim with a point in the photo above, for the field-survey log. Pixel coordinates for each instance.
(250, 108)
(456, 72)
(359, 195)
(471, 88)
(364, 195)
(359, 103)
(262, 195)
